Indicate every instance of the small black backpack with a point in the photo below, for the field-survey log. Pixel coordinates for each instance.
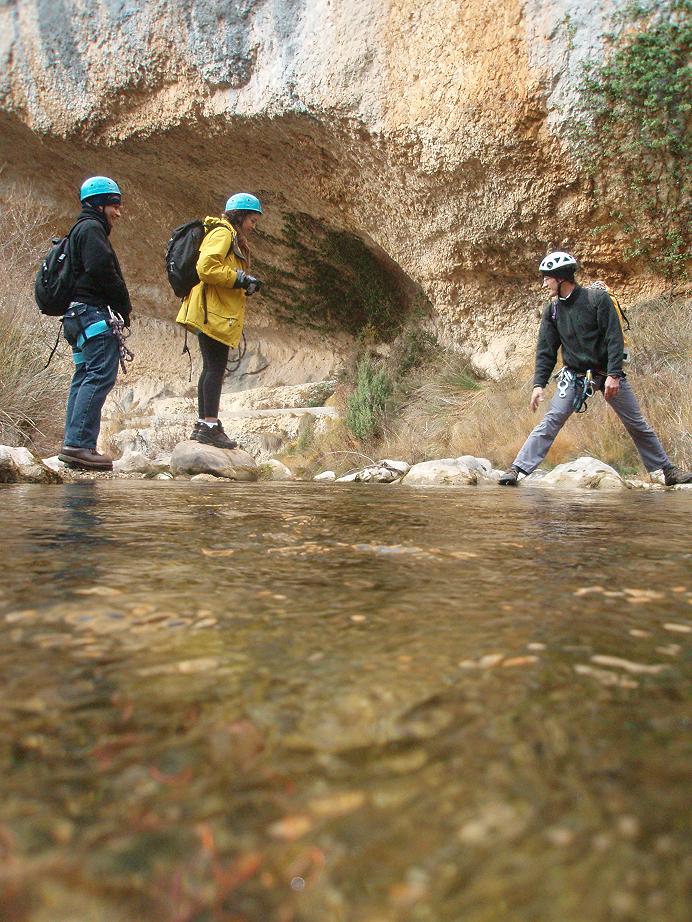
(182, 253)
(56, 278)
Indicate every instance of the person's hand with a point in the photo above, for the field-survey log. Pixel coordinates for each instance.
(249, 283)
(611, 387)
(536, 398)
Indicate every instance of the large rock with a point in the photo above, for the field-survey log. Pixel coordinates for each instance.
(194, 458)
(585, 474)
(456, 144)
(458, 472)
(19, 465)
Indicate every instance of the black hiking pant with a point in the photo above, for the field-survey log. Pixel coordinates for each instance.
(214, 361)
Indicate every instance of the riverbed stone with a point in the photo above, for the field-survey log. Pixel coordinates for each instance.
(135, 462)
(20, 465)
(463, 471)
(325, 477)
(196, 458)
(584, 473)
(385, 471)
(276, 470)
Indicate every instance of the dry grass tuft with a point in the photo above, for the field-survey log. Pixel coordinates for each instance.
(32, 399)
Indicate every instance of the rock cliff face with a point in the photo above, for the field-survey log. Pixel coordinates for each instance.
(409, 155)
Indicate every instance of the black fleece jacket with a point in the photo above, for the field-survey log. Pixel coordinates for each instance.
(587, 327)
(99, 277)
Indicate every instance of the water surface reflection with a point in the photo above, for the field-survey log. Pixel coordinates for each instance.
(305, 703)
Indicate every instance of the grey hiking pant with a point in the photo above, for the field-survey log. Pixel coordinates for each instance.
(536, 447)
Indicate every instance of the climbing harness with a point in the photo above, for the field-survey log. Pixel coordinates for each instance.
(121, 333)
(583, 387)
(115, 324)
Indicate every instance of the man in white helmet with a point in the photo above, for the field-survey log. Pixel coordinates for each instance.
(586, 325)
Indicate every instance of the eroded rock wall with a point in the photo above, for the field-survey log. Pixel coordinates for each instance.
(430, 131)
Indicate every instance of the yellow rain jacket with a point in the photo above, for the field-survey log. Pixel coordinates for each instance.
(217, 266)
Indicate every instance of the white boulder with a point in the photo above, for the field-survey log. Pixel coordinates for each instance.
(463, 471)
(19, 465)
(325, 477)
(585, 474)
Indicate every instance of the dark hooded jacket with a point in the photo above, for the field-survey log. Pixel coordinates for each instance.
(587, 327)
(99, 277)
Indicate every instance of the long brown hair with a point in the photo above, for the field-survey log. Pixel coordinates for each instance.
(235, 219)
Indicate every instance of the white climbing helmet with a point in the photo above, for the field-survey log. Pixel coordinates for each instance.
(557, 260)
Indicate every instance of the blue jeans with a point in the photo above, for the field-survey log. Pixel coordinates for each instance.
(96, 368)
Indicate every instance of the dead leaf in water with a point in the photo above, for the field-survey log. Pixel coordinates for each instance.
(520, 661)
(605, 677)
(291, 828)
(641, 596)
(337, 804)
(223, 552)
(628, 665)
(105, 591)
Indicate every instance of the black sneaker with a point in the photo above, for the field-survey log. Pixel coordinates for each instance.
(214, 435)
(673, 476)
(194, 436)
(509, 478)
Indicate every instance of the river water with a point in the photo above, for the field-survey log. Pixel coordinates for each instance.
(314, 703)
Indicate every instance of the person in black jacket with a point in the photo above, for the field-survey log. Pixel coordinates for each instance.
(100, 297)
(587, 327)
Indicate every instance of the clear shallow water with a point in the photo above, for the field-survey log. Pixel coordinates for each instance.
(307, 703)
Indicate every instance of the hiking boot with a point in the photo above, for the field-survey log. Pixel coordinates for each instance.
(86, 459)
(214, 435)
(194, 436)
(673, 476)
(509, 478)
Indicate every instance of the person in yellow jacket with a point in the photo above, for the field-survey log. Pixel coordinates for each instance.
(215, 308)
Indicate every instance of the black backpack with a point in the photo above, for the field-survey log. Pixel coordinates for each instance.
(182, 253)
(56, 278)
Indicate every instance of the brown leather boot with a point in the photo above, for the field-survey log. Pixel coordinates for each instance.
(86, 459)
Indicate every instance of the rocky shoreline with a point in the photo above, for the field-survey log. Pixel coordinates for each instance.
(193, 462)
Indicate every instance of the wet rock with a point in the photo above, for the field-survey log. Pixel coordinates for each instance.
(463, 471)
(278, 471)
(208, 478)
(382, 472)
(194, 458)
(19, 465)
(325, 477)
(586, 474)
(134, 462)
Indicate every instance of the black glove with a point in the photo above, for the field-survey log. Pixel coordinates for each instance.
(248, 282)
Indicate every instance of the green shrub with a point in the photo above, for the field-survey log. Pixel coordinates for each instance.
(633, 141)
(366, 405)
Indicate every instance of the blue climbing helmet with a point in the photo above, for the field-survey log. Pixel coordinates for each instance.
(243, 201)
(100, 190)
